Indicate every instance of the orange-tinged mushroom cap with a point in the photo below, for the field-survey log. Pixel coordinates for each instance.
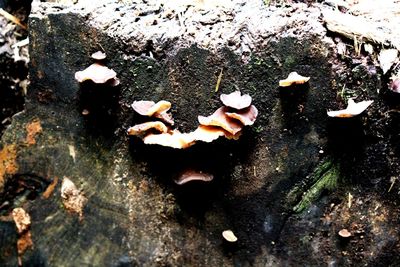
(236, 100)
(293, 78)
(191, 175)
(219, 118)
(95, 72)
(353, 109)
(245, 116)
(144, 127)
(149, 108)
(152, 109)
(210, 133)
(175, 139)
(99, 55)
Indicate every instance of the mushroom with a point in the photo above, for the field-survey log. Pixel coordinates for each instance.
(229, 236)
(174, 139)
(220, 119)
(246, 116)
(99, 55)
(191, 175)
(344, 233)
(152, 109)
(236, 100)
(293, 78)
(98, 74)
(353, 109)
(145, 127)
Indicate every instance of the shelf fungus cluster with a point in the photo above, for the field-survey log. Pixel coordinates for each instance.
(227, 121)
(97, 72)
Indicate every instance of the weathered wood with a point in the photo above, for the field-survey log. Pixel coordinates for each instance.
(135, 213)
(362, 28)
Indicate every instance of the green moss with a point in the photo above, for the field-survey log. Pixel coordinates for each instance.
(324, 177)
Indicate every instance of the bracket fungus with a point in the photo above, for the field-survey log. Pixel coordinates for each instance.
(229, 236)
(226, 121)
(99, 55)
(236, 100)
(220, 119)
(344, 233)
(292, 79)
(97, 73)
(175, 139)
(191, 175)
(246, 116)
(352, 109)
(147, 126)
(152, 109)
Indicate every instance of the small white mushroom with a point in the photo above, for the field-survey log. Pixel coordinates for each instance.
(229, 236)
(353, 109)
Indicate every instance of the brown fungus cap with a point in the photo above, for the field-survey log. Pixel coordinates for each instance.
(152, 109)
(99, 55)
(344, 233)
(96, 73)
(292, 79)
(236, 100)
(191, 175)
(147, 126)
(220, 119)
(245, 116)
(174, 139)
(353, 109)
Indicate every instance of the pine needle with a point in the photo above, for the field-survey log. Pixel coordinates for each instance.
(218, 81)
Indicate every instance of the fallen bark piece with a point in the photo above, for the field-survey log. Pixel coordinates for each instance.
(191, 175)
(236, 100)
(358, 27)
(147, 126)
(292, 79)
(245, 116)
(72, 198)
(387, 58)
(229, 236)
(23, 222)
(220, 119)
(22, 219)
(353, 109)
(97, 73)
